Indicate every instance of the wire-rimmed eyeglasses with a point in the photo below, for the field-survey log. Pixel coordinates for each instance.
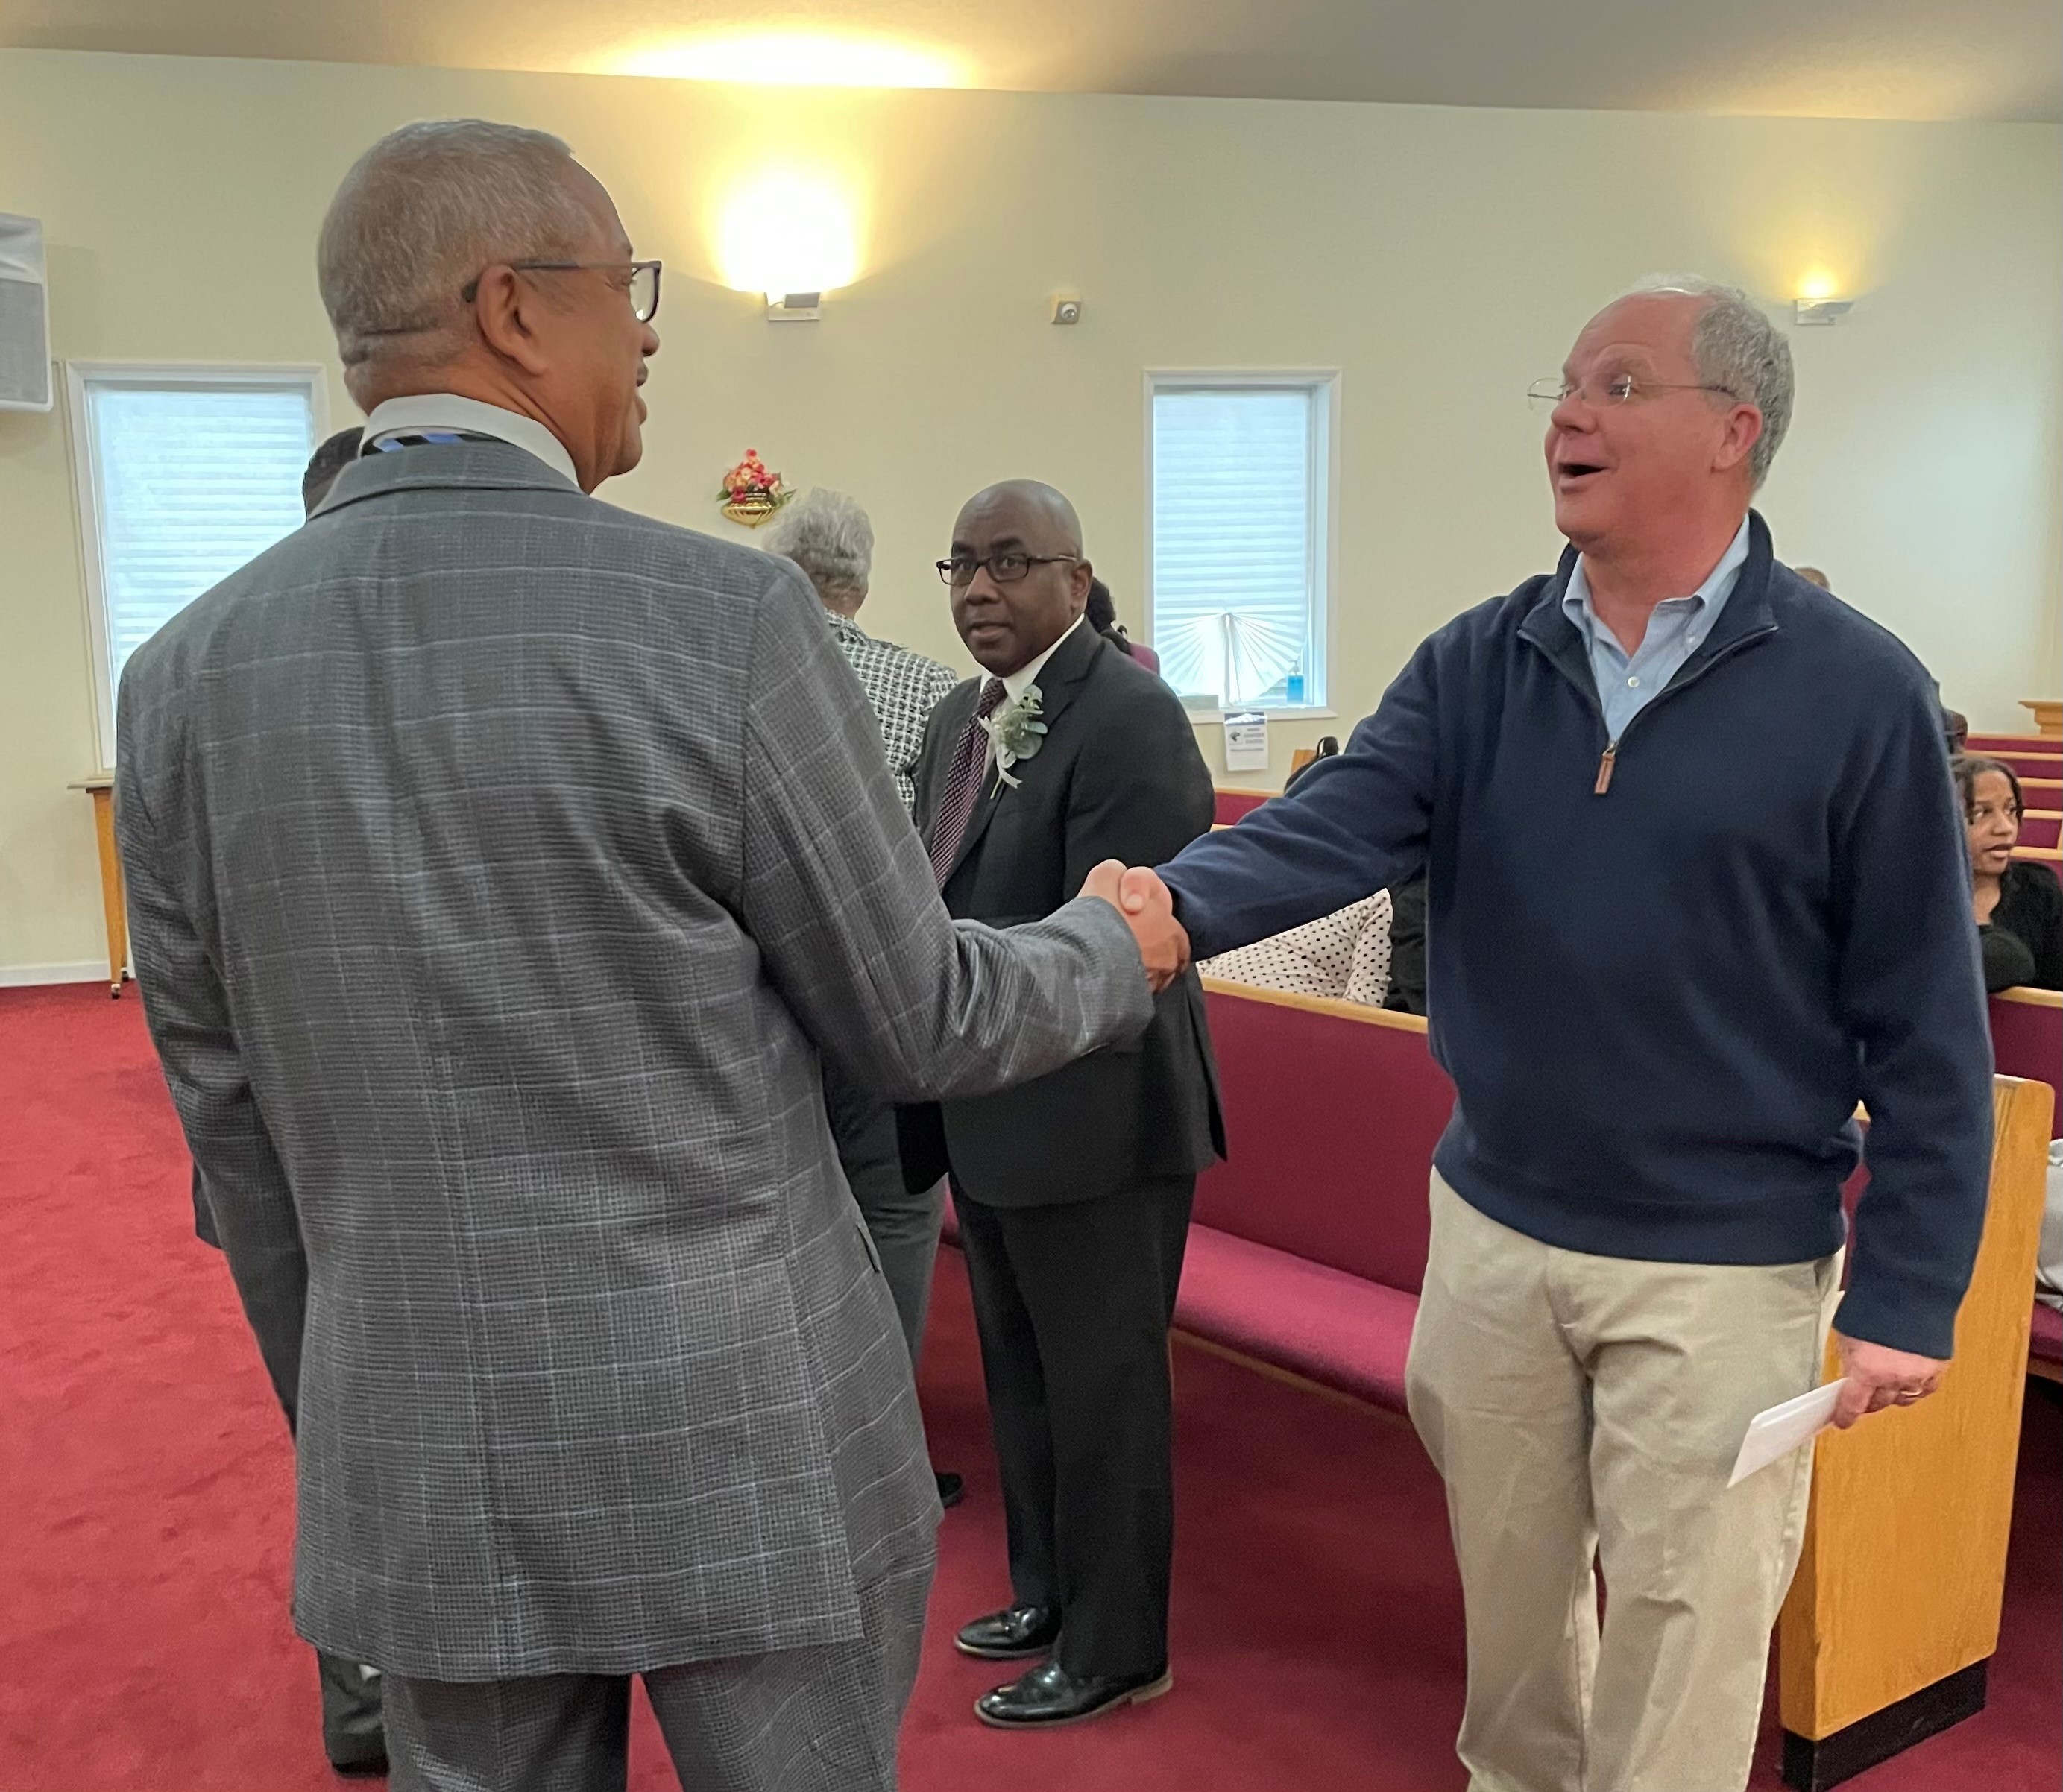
(1620, 388)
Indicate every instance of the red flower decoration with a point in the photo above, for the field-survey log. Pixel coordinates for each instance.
(752, 478)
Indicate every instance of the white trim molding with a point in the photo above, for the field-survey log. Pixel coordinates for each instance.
(35, 976)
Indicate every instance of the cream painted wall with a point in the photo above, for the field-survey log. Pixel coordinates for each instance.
(1440, 259)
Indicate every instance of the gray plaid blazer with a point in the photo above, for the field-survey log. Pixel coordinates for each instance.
(501, 865)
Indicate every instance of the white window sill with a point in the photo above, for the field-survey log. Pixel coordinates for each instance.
(1202, 717)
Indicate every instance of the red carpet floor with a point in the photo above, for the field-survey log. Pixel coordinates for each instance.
(144, 1553)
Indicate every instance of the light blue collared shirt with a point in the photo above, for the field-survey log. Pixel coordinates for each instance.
(1626, 685)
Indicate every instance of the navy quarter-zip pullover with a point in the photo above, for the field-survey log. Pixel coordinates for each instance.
(1664, 971)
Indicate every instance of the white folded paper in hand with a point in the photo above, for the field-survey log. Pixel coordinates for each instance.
(1782, 1428)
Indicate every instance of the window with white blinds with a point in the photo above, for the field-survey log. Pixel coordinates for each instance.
(185, 476)
(1241, 471)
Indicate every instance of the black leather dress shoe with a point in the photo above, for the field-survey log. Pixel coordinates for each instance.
(361, 1760)
(1010, 1634)
(952, 1487)
(1049, 1697)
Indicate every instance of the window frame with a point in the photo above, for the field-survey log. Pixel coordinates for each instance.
(1323, 385)
(149, 375)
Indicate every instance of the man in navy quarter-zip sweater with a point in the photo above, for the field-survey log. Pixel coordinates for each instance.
(1697, 887)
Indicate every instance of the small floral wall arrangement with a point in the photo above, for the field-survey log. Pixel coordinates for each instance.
(752, 491)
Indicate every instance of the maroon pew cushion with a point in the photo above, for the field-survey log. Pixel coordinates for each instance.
(2039, 830)
(2030, 764)
(1232, 804)
(2045, 1340)
(2027, 1040)
(1330, 1123)
(1338, 1330)
(1992, 745)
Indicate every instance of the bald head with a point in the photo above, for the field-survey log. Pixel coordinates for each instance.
(1033, 503)
(1027, 581)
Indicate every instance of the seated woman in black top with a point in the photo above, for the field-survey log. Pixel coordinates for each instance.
(2019, 907)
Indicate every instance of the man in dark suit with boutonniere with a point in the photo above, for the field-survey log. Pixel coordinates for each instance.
(1072, 1192)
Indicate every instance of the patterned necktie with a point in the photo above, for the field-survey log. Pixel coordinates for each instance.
(956, 806)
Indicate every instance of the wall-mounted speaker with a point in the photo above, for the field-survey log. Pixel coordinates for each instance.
(25, 316)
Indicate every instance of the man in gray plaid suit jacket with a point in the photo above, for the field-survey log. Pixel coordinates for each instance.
(502, 864)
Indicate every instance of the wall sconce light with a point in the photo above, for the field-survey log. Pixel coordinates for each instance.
(791, 236)
(1821, 310)
(1818, 300)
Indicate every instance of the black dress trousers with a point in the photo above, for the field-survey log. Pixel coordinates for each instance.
(1073, 1302)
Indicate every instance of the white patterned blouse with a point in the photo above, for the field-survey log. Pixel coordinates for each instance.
(1345, 955)
(903, 687)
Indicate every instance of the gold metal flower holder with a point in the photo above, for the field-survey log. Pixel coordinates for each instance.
(751, 508)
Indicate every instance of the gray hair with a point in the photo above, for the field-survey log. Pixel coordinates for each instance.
(828, 536)
(1738, 348)
(422, 212)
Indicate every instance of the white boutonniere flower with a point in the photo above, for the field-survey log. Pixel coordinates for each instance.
(1015, 734)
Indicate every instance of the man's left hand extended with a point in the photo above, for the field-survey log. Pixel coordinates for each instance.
(1879, 1377)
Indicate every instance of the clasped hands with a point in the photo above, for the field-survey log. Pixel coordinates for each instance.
(1138, 895)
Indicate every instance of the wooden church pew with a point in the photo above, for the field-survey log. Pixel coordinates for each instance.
(2044, 766)
(1305, 1264)
(1991, 744)
(2048, 857)
(2041, 827)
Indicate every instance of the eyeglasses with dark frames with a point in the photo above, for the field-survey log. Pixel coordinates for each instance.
(1004, 568)
(640, 280)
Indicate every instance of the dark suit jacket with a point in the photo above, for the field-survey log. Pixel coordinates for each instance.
(1118, 776)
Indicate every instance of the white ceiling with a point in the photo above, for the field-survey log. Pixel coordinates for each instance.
(1990, 59)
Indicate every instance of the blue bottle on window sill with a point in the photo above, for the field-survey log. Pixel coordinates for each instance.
(1293, 690)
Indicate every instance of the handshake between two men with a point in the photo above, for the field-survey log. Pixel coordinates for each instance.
(1138, 894)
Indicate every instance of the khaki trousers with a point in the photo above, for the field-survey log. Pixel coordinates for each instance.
(1582, 1408)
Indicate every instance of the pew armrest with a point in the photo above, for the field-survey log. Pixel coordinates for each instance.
(1903, 1568)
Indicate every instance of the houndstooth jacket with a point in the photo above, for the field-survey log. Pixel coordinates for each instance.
(903, 689)
(501, 863)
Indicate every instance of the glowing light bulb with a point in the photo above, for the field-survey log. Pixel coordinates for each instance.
(786, 231)
(1816, 283)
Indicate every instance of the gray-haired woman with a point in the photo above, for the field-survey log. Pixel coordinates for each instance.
(828, 536)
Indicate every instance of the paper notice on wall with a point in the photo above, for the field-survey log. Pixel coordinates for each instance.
(1246, 740)
(1781, 1429)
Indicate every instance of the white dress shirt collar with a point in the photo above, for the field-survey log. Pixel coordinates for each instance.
(1015, 684)
(401, 416)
